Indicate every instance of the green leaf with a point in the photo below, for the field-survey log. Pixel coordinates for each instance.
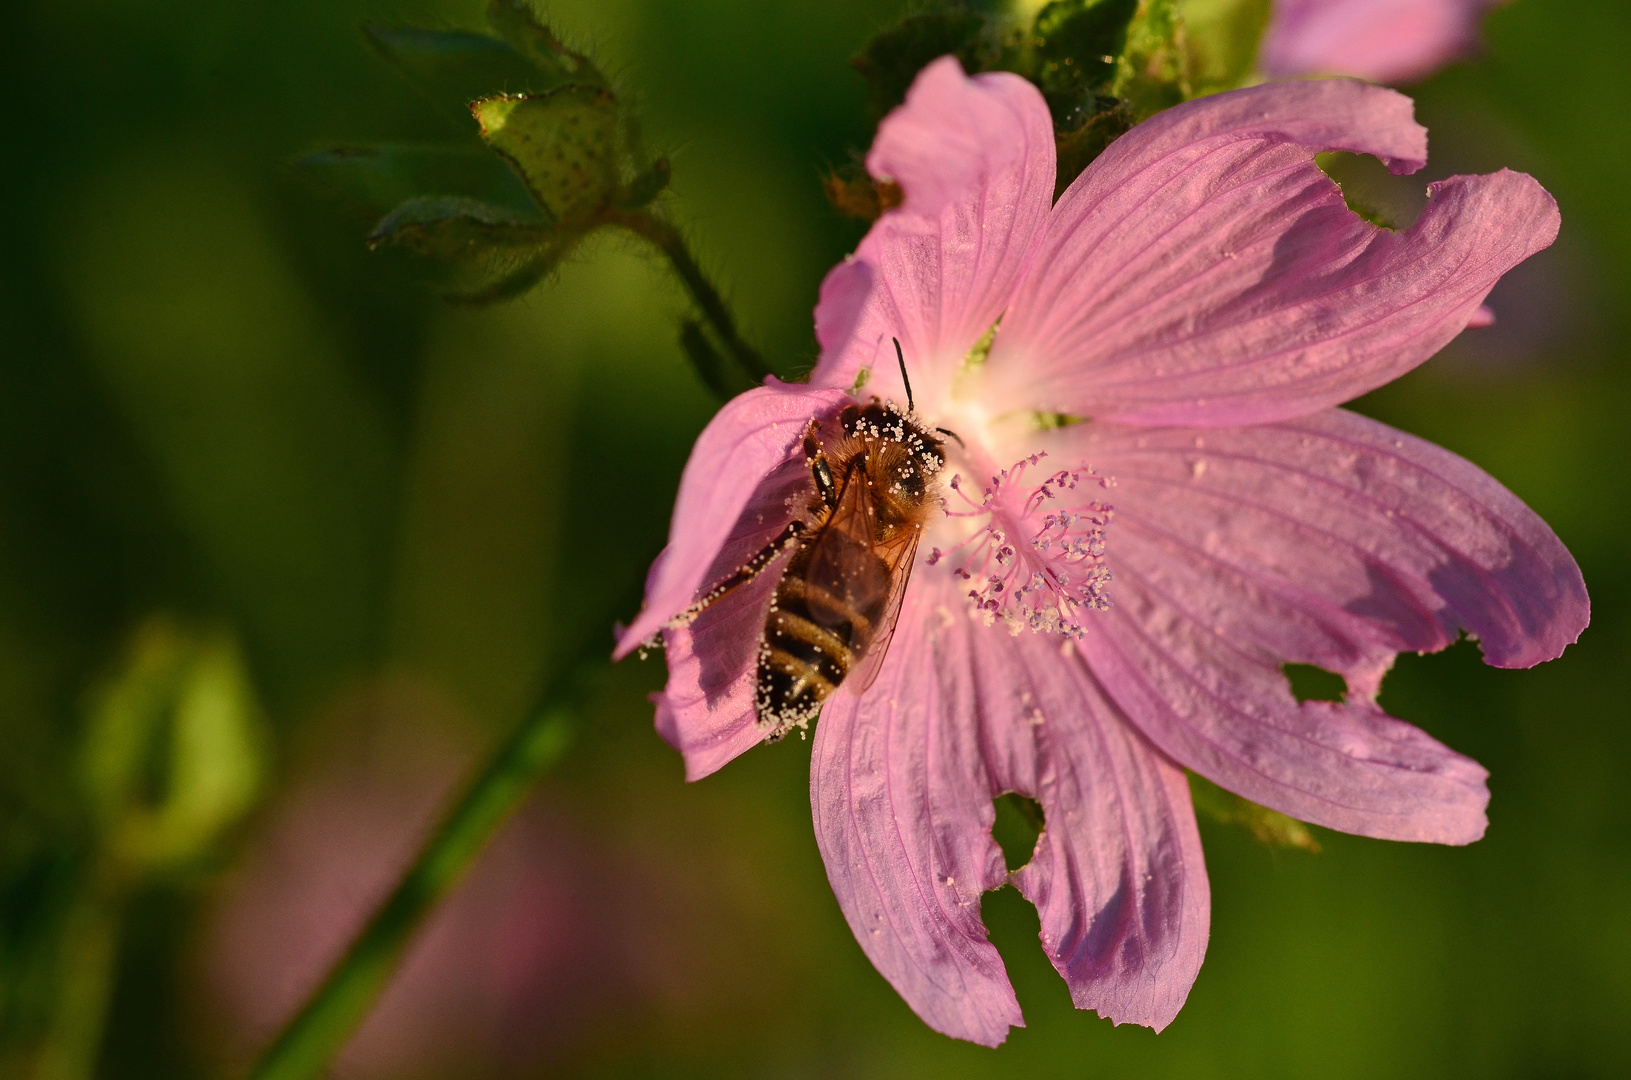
(378, 178)
(1153, 71)
(892, 59)
(516, 23)
(452, 68)
(1266, 826)
(564, 144)
(1076, 44)
(1223, 36)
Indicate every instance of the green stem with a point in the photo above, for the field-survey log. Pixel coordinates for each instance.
(321, 1028)
(90, 952)
(667, 238)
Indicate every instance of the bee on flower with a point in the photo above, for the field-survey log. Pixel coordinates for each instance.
(1139, 500)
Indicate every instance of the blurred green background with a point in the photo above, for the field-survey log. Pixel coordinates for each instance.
(242, 456)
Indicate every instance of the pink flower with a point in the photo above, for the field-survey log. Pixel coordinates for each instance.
(1107, 602)
(1386, 41)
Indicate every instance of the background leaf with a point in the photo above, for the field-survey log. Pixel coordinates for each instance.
(1076, 43)
(1153, 71)
(1221, 37)
(892, 58)
(452, 68)
(516, 23)
(376, 179)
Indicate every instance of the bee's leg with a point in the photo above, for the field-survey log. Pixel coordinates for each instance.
(744, 573)
(816, 458)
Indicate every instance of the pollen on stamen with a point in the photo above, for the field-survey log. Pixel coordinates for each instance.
(1042, 572)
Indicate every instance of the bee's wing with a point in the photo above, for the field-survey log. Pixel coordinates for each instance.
(899, 558)
(848, 564)
(841, 550)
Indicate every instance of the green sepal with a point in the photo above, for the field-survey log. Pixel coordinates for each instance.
(517, 24)
(1265, 825)
(507, 283)
(452, 68)
(1222, 37)
(564, 144)
(1075, 44)
(891, 60)
(1153, 71)
(490, 252)
(452, 228)
(376, 179)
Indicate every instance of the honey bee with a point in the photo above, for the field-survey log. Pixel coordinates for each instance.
(873, 489)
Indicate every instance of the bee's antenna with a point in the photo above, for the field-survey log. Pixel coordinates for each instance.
(900, 356)
(953, 434)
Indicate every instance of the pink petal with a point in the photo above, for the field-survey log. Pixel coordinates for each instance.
(1117, 876)
(902, 783)
(707, 710)
(902, 805)
(1484, 316)
(975, 160)
(1204, 271)
(1386, 41)
(1331, 540)
(742, 445)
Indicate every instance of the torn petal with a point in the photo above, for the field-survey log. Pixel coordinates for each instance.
(1204, 271)
(1331, 540)
(903, 817)
(1117, 877)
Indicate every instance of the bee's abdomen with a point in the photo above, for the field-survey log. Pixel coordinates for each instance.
(801, 663)
(812, 641)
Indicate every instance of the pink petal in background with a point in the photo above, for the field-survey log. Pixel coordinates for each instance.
(1385, 41)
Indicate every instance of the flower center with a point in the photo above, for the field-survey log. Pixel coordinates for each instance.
(1033, 552)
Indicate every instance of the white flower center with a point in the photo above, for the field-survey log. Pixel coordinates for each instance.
(1031, 552)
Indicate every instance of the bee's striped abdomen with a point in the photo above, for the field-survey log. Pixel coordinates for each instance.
(812, 641)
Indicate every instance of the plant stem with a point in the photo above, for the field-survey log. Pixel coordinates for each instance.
(667, 238)
(90, 955)
(321, 1028)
